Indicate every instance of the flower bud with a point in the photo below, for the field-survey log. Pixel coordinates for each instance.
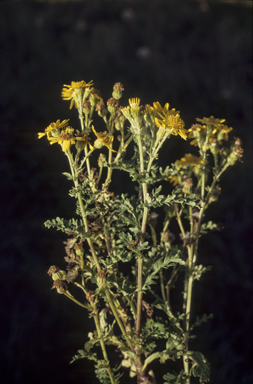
(187, 184)
(86, 107)
(101, 160)
(79, 249)
(235, 155)
(53, 269)
(98, 144)
(168, 237)
(101, 110)
(220, 135)
(60, 275)
(112, 105)
(117, 91)
(59, 286)
(214, 147)
(90, 296)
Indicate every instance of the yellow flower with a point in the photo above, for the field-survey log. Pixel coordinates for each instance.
(169, 120)
(72, 91)
(211, 121)
(173, 123)
(103, 138)
(134, 105)
(65, 139)
(219, 130)
(175, 180)
(218, 127)
(163, 111)
(53, 126)
(189, 159)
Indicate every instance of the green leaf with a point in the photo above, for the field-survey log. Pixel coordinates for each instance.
(68, 175)
(170, 378)
(82, 354)
(167, 262)
(200, 367)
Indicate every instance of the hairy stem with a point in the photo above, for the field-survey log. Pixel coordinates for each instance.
(143, 231)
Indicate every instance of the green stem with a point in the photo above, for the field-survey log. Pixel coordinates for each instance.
(143, 231)
(69, 296)
(109, 170)
(95, 258)
(87, 160)
(102, 344)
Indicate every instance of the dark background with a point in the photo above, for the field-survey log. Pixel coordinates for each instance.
(200, 61)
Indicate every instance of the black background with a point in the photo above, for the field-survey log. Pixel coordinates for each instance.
(172, 51)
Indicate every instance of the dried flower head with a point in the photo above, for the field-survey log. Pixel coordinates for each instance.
(53, 269)
(90, 296)
(59, 286)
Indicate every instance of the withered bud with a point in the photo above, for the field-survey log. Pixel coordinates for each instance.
(168, 237)
(60, 275)
(196, 127)
(101, 277)
(53, 269)
(95, 97)
(90, 296)
(117, 91)
(59, 286)
(112, 102)
(118, 86)
(238, 150)
(187, 184)
(218, 189)
(101, 110)
(237, 141)
(79, 249)
(236, 154)
(112, 105)
(82, 140)
(72, 274)
(86, 106)
(132, 244)
(101, 160)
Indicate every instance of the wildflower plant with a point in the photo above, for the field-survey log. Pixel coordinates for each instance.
(127, 267)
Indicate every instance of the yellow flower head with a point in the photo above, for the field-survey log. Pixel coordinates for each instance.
(211, 121)
(163, 112)
(169, 119)
(72, 91)
(214, 127)
(134, 105)
(174, 124)
(103, 138)
(175, 180)
(53, 127)
(218, 127)
(65, 139)
(190, 160)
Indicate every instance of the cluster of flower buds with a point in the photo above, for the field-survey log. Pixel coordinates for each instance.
(236, 152)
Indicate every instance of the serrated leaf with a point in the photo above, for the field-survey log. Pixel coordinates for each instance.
(200, 367)
(68, 175)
